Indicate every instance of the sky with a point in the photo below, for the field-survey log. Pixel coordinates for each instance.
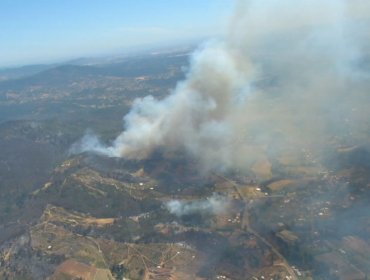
(41, 31)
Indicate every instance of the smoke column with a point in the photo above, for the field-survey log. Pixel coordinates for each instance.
(289, 75)
(213, 205)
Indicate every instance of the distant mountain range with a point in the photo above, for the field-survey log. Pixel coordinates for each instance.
(11, 73)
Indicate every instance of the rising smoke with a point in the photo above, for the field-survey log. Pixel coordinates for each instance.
(288, 75)
(215, 204)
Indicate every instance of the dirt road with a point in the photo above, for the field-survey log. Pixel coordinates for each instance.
(245, 225)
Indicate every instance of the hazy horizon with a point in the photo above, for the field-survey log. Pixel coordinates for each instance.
(41, 31)
(107, 56)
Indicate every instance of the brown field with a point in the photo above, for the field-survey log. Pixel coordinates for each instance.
(76, 269)
(281, 184)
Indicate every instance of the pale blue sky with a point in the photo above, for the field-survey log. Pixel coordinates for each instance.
(38, 31)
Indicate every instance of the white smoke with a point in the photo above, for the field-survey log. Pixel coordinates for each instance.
(215, 204)
(286, 76)
(91, 142)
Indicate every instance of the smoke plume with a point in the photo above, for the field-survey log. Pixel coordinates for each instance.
(212, 205)
(289, 75)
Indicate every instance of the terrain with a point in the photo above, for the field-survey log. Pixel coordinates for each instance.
(88, 216)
